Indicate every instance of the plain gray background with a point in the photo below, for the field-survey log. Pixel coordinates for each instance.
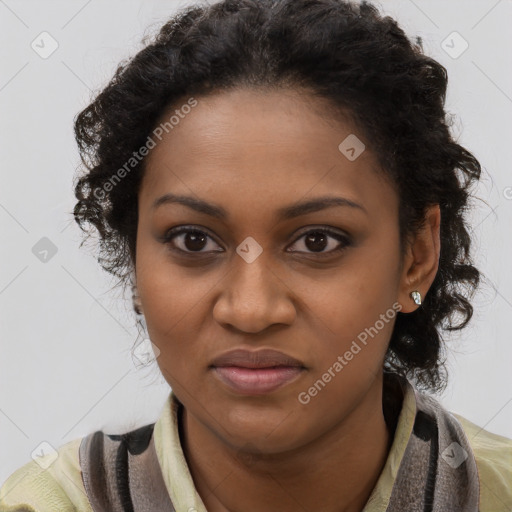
(65, 363)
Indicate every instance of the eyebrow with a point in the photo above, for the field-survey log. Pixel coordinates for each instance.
(285, 213)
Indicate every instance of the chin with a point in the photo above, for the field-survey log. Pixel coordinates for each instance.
(266, 430)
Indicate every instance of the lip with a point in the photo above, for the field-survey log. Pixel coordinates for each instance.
(256, 372)
(263, 358)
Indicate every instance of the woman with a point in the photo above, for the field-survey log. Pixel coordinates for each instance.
(277, 182)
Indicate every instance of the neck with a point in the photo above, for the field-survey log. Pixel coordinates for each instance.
(336, 472)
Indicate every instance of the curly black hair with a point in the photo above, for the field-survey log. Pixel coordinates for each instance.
(348, 53)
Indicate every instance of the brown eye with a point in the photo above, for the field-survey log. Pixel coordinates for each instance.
(189, 240)
(323, 241)
(316, 241)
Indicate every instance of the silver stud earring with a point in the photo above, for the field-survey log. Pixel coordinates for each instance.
(416, 297)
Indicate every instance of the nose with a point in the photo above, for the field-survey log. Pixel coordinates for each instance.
(253, 297)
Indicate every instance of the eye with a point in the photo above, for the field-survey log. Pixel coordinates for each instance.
(317, 240)
(188, 239)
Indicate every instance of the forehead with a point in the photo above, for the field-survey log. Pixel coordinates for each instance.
(253, 148)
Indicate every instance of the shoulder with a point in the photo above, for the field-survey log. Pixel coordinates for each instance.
(493, 455)
(51, 482)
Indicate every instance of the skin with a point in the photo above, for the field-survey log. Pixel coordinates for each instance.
(253, 152)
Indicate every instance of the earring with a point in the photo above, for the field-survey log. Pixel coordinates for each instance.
(416, 297)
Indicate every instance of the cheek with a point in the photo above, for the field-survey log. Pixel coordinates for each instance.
(349, 300)
(174, 301)
(171, 309)
(169, 292)
(351, 345)
(348, 358)
(351, 316)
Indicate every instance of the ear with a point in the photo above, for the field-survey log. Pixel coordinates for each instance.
(421, 260)
(137, 305)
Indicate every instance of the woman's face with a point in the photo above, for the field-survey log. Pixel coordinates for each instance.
(263, 273)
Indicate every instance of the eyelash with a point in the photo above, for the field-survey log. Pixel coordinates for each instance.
(173, 233)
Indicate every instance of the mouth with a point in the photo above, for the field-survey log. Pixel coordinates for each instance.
(256, 372)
